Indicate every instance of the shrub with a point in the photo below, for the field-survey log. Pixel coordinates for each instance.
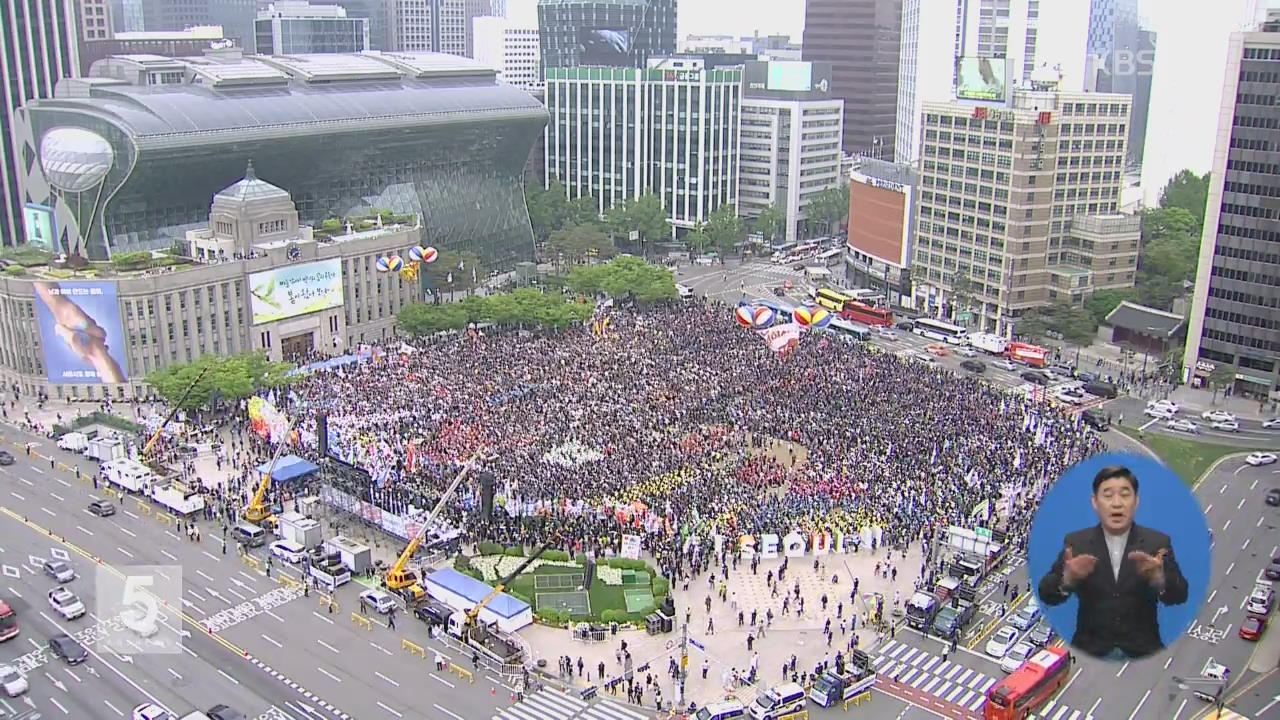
(627, 564)
(661, 587)
(490, 548)
(462, 563)
(514, 551)
(612, 615)
(132, 261)
(556, 555)
(15, 271)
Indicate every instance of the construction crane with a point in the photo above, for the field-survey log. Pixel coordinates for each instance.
(498, 589)
(258, 511)
(400, 579)
(155, 437)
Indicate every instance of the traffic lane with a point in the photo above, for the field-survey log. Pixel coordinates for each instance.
(1134, 406)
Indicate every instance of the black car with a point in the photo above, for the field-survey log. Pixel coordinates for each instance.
(1273, 497)
(224, 712)
(102, 508)
(1035, 378)
(1272, 571)
(66, 647)
(433, 613)
(906, 325)
(974, 366)
(1096, 419)
(6, 457)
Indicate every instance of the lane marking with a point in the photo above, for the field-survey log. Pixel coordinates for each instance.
(233, 592)
(113, 707)
(1093, 707)
(384, 707)
(174, 673)
(225, 675)
(1122, 669)
(16, 495)
(126, 512)
(48, 512)
(1141, 702)
(384, 677)
(60, 707)
(125, 552)
(205, 575)
(211, 556)
(273, 642)
(449, 713)
(335, 678)
(28, 482)
(1226, 525)
(169, 555)
(313, 612)
(327, 645)
(64, 482)
(437, 677)
(128, 532)
(196, 595)
(384, 650)
(1241, 503)
(175, 537)
(57, 497)
(86, 532)
(1230, 567)
(268, 612)
(1211, 596)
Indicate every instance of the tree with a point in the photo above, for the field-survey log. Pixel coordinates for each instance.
(584, 210)
(229, 379)
(1101, 303)
(1188, 191)
(770, 223)
(453, 270)
(577, 243)
(726, 229)
(962, 289)
(698, 239)
(643, 215)
(830, 208)
(422, 319)
(548, 208)
(1073, 324)
(1223, 376)
(625, 277)
(1159, 222)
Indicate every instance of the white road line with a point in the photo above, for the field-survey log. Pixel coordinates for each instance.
(223, 674)
(188, 651)
(36, 469)
(313, 612)
(1168, 662)
(86, 532)
(1093, 707)
(1138, 709)
(1226, 525)
(1122, 669)
(126, 512)
(128, 532)
(73, 675)
(437, 677)
(126, 553)
(211, 556)
(64, 482)
(1208, 509)
(113, 707)
(1230, 567)
(268, 612)
(449, 713)
(327, 645)
(1211, 596)
(1245, 545)
(57, 497)
(28, 482)
(384, 677)
(384, 650)
(1180, 709)
(60, 707)
(247, 575)
(169, 555)
(335, 678)
(174, 673)
(1223, 489)
(1254, 484)
(19, 497)
(273, 642)
(205, 575)
(1241, 503)
(48, 512)
(197, 596)
(175, 537)
(233, 592)
(1259, 523)
(15, 594)
(384, 707)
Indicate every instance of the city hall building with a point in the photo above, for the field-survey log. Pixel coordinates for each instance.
(127, 158)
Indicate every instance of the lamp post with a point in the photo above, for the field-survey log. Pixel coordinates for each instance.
(1219, 685)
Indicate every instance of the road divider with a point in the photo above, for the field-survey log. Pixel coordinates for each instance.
(251, 562)
(143, 507)
(462, 673)
(858, 699)
(413, 649)
(164, 518)
(361, 620)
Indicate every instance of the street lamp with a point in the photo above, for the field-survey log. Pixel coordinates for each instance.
(1219, 684)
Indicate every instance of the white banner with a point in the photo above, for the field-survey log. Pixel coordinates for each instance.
(631, 547)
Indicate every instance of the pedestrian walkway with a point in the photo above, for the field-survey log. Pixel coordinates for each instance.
(547, 704)
(949, 682)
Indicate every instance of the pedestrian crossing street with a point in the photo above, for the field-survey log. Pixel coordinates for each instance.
(547, 704)
(950, 682)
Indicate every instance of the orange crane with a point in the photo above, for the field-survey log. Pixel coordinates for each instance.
(258, 511)
(400, 578)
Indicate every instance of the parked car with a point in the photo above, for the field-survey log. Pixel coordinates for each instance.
(1261, 458)
(1260, 601)
(1017, 655)
(59, 570)
(1159, 412)
(1217, 416)
(6, 458)
(66, 604)
(1035, 377)
(381, 602)
(1271, 424)
(1025, 617)
(1172, 406)
(1041, 634)
(12, 681)
(288, 551)
(1000, 643)
(1183, 426)
(1252, 628)
(1273, 497)
(224, 712)
(965, 351)
(1272, 571)
(66, 648)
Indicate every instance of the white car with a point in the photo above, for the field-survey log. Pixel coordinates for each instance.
(1017, 655)
(966, 351)
(288, 551)
(1071, 396)
(1217, 416)
(1159, 412)
(1000, 643)
(1173, 407)
(59, 570)
(1183, 426)
(381, 602)
(1005, 364)
(887, 334)
(12, 681)
(1261, 458)
(1225, 425)
(150, 711)
(66, 603)
(1272, 424)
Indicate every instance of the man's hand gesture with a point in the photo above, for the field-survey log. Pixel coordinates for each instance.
(1075, 568)
(1150, 567)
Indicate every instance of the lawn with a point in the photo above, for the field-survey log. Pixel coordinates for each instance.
(1189, 458)
(602, 597)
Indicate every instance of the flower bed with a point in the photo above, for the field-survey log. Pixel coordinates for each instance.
(609, 575)
(495, 567)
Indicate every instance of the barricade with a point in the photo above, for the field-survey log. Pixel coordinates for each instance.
(143, 507)
(110, 493)
(359, 619)
(251, 562)
(858, 699)
(413, 649)
(802, 715)
(462, 673)
(164, 518)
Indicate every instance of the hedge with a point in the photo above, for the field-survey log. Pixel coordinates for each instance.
(661, 587)
(553, 617)
(556, 556)
(489, 548)
(627, 564)
(514, 551)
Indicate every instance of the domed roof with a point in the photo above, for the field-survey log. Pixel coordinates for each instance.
(253, 188)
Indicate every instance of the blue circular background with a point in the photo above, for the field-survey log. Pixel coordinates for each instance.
(1165, 503)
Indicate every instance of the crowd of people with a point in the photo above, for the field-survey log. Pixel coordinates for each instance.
(679, 422)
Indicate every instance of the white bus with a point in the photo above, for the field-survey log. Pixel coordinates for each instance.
(831, 258)
(939, 330)
(851, 331)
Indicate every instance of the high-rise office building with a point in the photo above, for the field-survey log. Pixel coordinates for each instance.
(1235, 312)
(93, 19)
(165, 43)
(1142, 96)
(236, 17)
(860, 38)
(1019, 202)
(475, 9)
(509, 48)
(428, 25)
(670, 129)
(294, 27)
(614, 33)
(38, 47)
(1113, 46)
(789, 139)
(935, 33)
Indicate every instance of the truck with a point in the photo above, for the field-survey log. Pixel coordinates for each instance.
(326, 568)
(299, 528)
(953, 617)
(1028, 354)
(128, 474)
(105, 449)
(355, 556)
(178, 497)
(484, 638)
(921, 609)
(8, 622)
(74, 441)
(989, 343)
(835, 686)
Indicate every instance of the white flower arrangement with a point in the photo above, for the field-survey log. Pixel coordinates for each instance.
(572, 454)
(609, 575)
(494, 567)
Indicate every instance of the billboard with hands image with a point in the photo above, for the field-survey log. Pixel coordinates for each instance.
(81, 332)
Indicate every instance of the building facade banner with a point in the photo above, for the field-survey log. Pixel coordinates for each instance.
(287, 292)
(81, 332)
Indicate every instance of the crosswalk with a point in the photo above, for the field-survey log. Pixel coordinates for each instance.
(950, 682)
(547, 704)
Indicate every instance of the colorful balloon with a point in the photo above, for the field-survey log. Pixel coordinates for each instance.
(745, 315)
(415, 254)
(819, 318)
(382, 265)
(429, 255)
(395, 263)
(762, 317)
(804, 316)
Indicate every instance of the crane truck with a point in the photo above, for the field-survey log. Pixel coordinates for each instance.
(402, 580)
(466, 626)
(258, 511)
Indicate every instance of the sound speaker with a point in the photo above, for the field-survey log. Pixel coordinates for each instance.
(487, 482)
(322, 433)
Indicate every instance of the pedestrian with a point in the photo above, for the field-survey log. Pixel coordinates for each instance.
(391, 619)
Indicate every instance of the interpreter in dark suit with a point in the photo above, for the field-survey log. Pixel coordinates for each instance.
(1119, 571)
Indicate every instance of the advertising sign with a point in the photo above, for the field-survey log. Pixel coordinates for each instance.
(84, 341)
(981, 78)
(791, 76)
(605, 46)
(787, 80)
(296, 290)
(37, 221)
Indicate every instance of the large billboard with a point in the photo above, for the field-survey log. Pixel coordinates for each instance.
(789, 76)
(295, 290)
(84, 341)
(981, 78)
(787, 80)
(605, 46)
(37, 221)
(879, 219)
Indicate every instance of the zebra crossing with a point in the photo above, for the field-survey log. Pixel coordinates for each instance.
(950, 682)
(547, 704)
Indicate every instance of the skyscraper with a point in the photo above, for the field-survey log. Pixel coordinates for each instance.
(1235, 312)
(292, 27)
(510, 48)
(430, 25)
(616, 33)
(38, 47)
(860, 38)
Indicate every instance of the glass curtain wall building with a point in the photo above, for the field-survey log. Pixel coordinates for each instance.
(615, 33)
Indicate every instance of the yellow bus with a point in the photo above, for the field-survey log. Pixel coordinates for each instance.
(831, 299)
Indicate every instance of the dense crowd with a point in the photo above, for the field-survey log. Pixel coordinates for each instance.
(679, 421)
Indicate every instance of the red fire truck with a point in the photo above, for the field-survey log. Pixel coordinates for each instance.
(1028, 354)
(8, 622)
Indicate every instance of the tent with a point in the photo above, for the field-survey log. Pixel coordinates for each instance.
(288, 468)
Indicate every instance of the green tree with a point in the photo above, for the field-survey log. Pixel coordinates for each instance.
(962, 292)
(548, 208)
(446, 267)
(577, 243)
(1074, 324)
(625, 277)
(698, 239)
(1159, 222)
(1223, 376)
(227, 378)
(1101, 303)
(584, 210)
(726, 229)
(422, 319)
(644, 215)
(771, 223)
(830, 208)
(1188, 191)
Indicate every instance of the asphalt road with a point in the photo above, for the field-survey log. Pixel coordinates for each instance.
(1251, 434)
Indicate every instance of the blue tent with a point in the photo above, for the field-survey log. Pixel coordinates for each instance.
(288, 468)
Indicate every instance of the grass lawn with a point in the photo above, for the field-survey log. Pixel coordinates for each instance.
(603, 597)
(1189, 458)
